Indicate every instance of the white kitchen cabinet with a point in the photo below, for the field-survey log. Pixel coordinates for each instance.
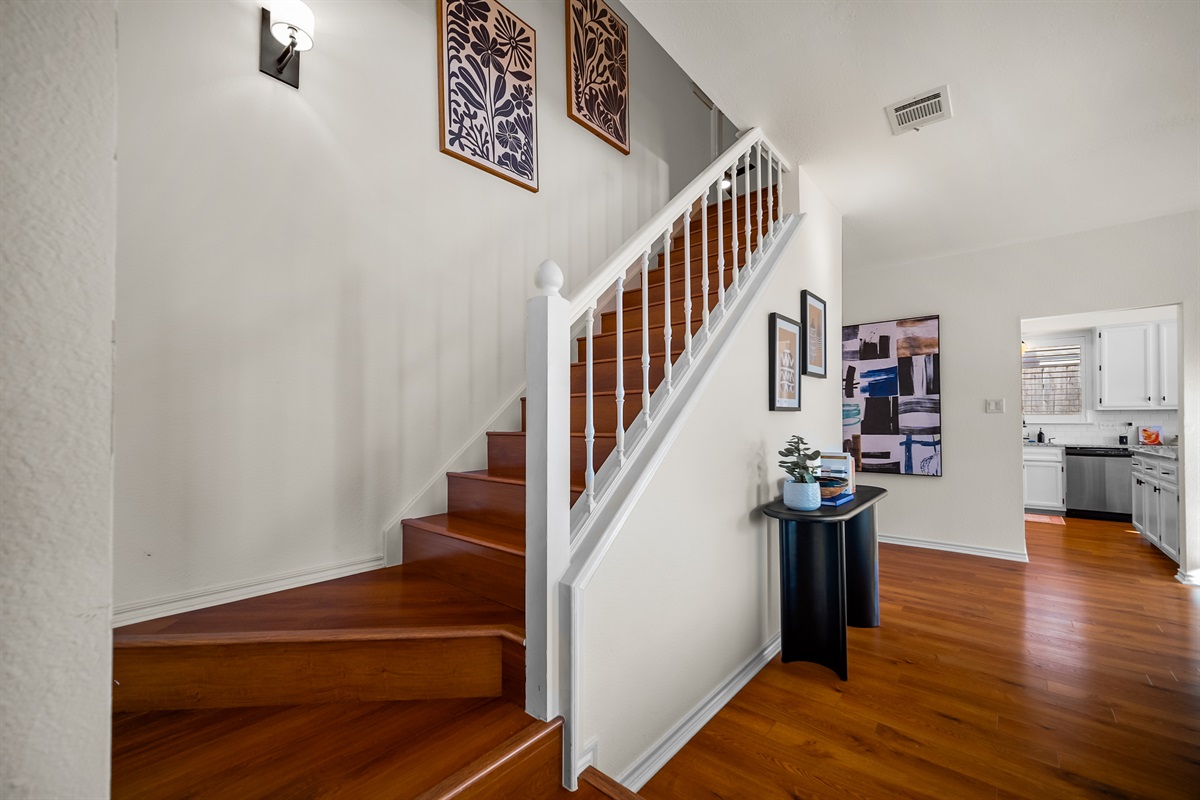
(1043, 473)
(1140, 507)
(1156, 502)
(1137, 366)
(1125, 356)
(1168, 365)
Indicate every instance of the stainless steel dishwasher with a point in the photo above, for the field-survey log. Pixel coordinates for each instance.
(1099, 483)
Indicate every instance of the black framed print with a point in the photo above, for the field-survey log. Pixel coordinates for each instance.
(784, 346)
(816, 354)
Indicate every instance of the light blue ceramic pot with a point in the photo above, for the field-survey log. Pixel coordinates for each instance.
(801, 496)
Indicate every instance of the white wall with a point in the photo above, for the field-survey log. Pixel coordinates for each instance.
(57, 223)
(982, 298)
(688, 592)
(316, 308)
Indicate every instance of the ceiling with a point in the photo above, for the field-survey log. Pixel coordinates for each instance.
(1068, 116)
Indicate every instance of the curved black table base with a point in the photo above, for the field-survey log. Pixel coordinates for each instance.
(828, 577)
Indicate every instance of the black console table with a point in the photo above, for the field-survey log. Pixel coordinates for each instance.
(828, 576)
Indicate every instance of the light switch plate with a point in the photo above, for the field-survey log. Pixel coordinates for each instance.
(993, 406)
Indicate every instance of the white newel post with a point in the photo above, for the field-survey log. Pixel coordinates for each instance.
(547, 485)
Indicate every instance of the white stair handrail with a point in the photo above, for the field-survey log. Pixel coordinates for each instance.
(552, 321)
(620, 261)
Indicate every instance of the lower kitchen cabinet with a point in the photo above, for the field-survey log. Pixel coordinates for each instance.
(1156, 502)
(1043, 473)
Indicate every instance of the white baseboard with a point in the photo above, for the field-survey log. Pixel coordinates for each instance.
(587, 758)
(673, 740)
(949, 547)
(1188, 578)
(216, 595)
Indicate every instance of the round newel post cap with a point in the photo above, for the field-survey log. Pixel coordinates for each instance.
(548, 279)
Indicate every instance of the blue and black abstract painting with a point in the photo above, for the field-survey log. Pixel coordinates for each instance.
(488, 73)
(891, 396)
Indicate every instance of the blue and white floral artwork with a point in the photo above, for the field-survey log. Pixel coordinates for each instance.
(488, 73)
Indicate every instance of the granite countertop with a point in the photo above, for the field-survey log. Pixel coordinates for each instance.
(1161, 451)
(1042, 444)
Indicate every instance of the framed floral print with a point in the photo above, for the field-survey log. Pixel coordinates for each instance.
(784, 347)
(598, 71)
(812, 316)
(487, 88)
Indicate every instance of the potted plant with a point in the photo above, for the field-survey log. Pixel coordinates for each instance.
(801, 492)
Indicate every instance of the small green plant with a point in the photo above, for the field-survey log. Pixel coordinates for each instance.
(799, 461)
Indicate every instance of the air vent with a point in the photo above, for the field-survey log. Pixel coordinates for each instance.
(923, 109)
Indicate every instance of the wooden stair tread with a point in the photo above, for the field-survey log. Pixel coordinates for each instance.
(390, 603)
(493, 535)
(396, 750)
(476, 773)
(605, 785)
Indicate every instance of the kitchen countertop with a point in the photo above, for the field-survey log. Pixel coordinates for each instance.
(1161, 451)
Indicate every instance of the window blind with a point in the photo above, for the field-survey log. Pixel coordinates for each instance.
(1051, 379)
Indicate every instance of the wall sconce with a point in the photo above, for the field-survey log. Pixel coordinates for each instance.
(289, 23)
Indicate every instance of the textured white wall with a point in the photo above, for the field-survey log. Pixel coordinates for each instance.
(689, 591)
(316, 308)
(57, 228)
(982, 298)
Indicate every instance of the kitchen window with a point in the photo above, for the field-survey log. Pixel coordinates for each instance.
(1053, 388)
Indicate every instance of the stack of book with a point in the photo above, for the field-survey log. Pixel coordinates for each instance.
(841, 467)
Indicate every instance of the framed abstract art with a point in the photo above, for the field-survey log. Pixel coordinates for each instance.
(812, 317)
(487, 88)
(891, 396)
(784, 347)
(598, 71)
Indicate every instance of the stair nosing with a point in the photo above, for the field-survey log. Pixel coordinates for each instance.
(499, 756)
(573, 433)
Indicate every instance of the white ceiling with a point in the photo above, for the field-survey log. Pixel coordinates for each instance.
(1068, 116)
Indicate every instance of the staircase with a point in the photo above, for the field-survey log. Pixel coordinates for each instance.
(406, 682)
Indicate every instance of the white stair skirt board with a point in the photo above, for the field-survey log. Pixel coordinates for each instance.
(242, 590)
(431, 498)
(949, 547)
(673, 740)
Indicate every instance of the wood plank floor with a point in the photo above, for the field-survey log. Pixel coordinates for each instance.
(1075, 675)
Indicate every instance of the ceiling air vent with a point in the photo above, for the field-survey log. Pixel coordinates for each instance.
(914, 113)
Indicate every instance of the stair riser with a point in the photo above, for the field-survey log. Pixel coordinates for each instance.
(606, 344)
(657, 314)
(697, 234)
(604, 375)
(696, 265)
(604, 410)
(633, 297)
(269, 674)
(509, 458)
(487, 501)
(491, 573)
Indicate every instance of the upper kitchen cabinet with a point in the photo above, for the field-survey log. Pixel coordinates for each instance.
(1136, 368)
(1168, 364)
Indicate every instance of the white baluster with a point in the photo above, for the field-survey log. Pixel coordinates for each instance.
(704, 257)
(720, 244)
(758, 167)
(770, 196)
(687, 283)
(733, 225)
(589, 428)
(646, 337)
(746, 206)
(620, 446)
(667, 309)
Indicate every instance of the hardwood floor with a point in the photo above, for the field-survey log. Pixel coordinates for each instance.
(1075, 675)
